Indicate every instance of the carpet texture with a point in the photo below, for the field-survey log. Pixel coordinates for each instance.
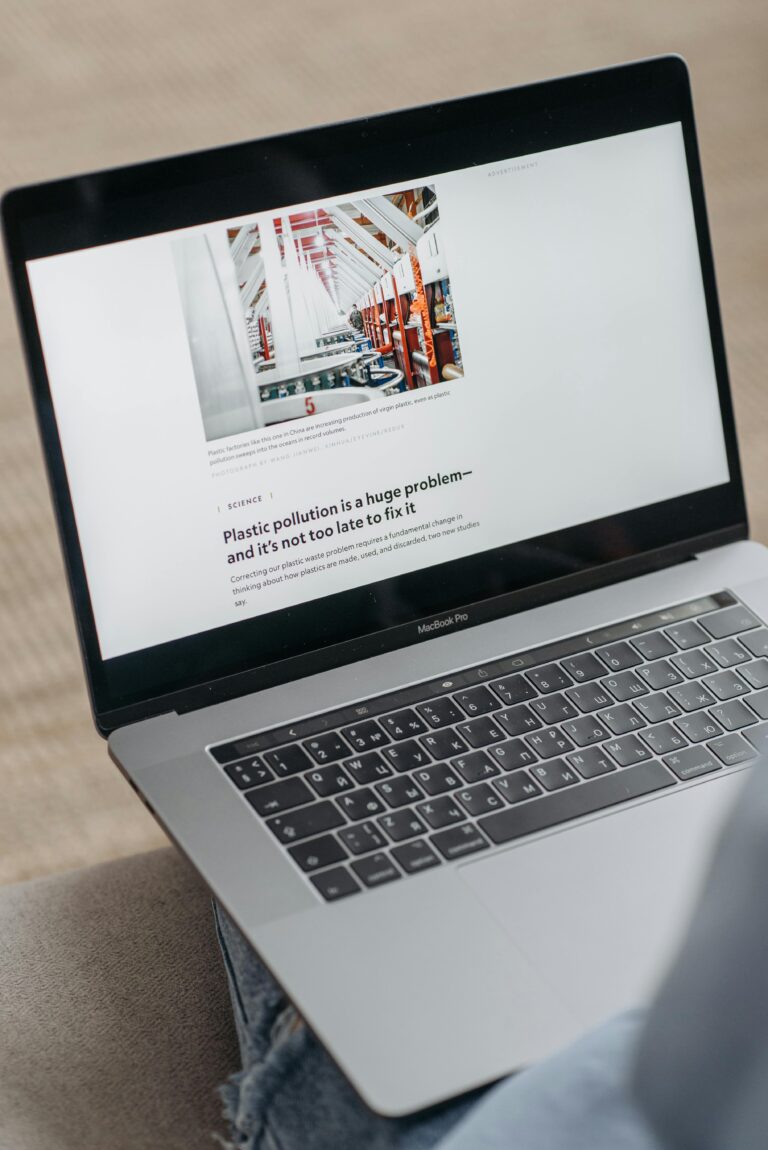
(87, 84)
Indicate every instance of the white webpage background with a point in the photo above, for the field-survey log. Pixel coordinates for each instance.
(589, 389)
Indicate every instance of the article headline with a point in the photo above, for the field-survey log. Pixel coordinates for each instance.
(320, 522)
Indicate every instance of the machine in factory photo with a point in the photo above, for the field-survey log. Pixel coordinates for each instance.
(317, 310)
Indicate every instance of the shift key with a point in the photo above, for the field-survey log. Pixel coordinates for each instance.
(588, 797)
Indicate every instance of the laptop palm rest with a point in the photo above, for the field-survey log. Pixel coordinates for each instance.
(599, 909)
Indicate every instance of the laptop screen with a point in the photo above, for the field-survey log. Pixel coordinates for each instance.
(327, 394)
(268, 410)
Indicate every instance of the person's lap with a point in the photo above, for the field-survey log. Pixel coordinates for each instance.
(290, 1096)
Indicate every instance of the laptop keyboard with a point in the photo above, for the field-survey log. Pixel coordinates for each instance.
(414, 779)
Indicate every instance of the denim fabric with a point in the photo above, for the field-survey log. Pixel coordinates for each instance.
(578, 1099)
(290, 1096)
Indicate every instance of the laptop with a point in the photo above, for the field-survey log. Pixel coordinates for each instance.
(397, 480)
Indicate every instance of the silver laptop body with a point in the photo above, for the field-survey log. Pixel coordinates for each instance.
(407, 543)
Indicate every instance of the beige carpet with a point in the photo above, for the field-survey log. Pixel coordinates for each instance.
(86, 84)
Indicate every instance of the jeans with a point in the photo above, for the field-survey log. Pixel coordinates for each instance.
(290, 1096)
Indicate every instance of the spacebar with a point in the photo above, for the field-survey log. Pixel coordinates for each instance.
(539, 814)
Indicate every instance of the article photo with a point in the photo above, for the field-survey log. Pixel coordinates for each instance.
(318, 310)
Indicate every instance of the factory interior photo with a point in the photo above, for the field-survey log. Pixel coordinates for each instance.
(317, 310)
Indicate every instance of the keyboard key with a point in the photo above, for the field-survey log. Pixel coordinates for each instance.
(441, 812)
(759, 703)
(254, 744)
(335, 884)
(756, 674)
(512, 754)
(758, 737)
(660, 675)
(590, 697)
(399, 792)
(362, 838)
(654, 645)
(317, 853)
(687, 635)
(733, 715)
(549, 678)
(627, 751)
(443, 744)
(365, 736)
(287, 760)
(329, 781)
(241, 749)
(438, 778)
(415, 856)
(555, 774)
(549, 743)
(361, 804)
(693, 663)
(518, 720)
(584, 667)
(480, 732)
(401, 825)
(249, 773)
(698, 727)
(625, 686)
(476, 701)
(375, 870)
(691, 696)
(459, 841)
(619, 656)
(553, 708)
(440, 712)
(573, 802)
(280, 796)
(656, 708)
(622, 718)
(729, 653)
(513, 689)
(727, 685)
(306, 821)
(586, 730)
(368, 768)
(757, 642)
(407, 756)
(476, 766)
(480, 799)
(663, 739)
(691, 763)
(731, 621)
(591, 763)
(403, 724)
(732, 749)
(517, 788)
(326, 748)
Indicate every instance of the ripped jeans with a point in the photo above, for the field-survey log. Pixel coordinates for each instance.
(290, 1096)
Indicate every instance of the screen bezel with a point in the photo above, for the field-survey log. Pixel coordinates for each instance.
(240, 179)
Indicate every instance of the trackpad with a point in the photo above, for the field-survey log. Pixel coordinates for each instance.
(600, 908)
